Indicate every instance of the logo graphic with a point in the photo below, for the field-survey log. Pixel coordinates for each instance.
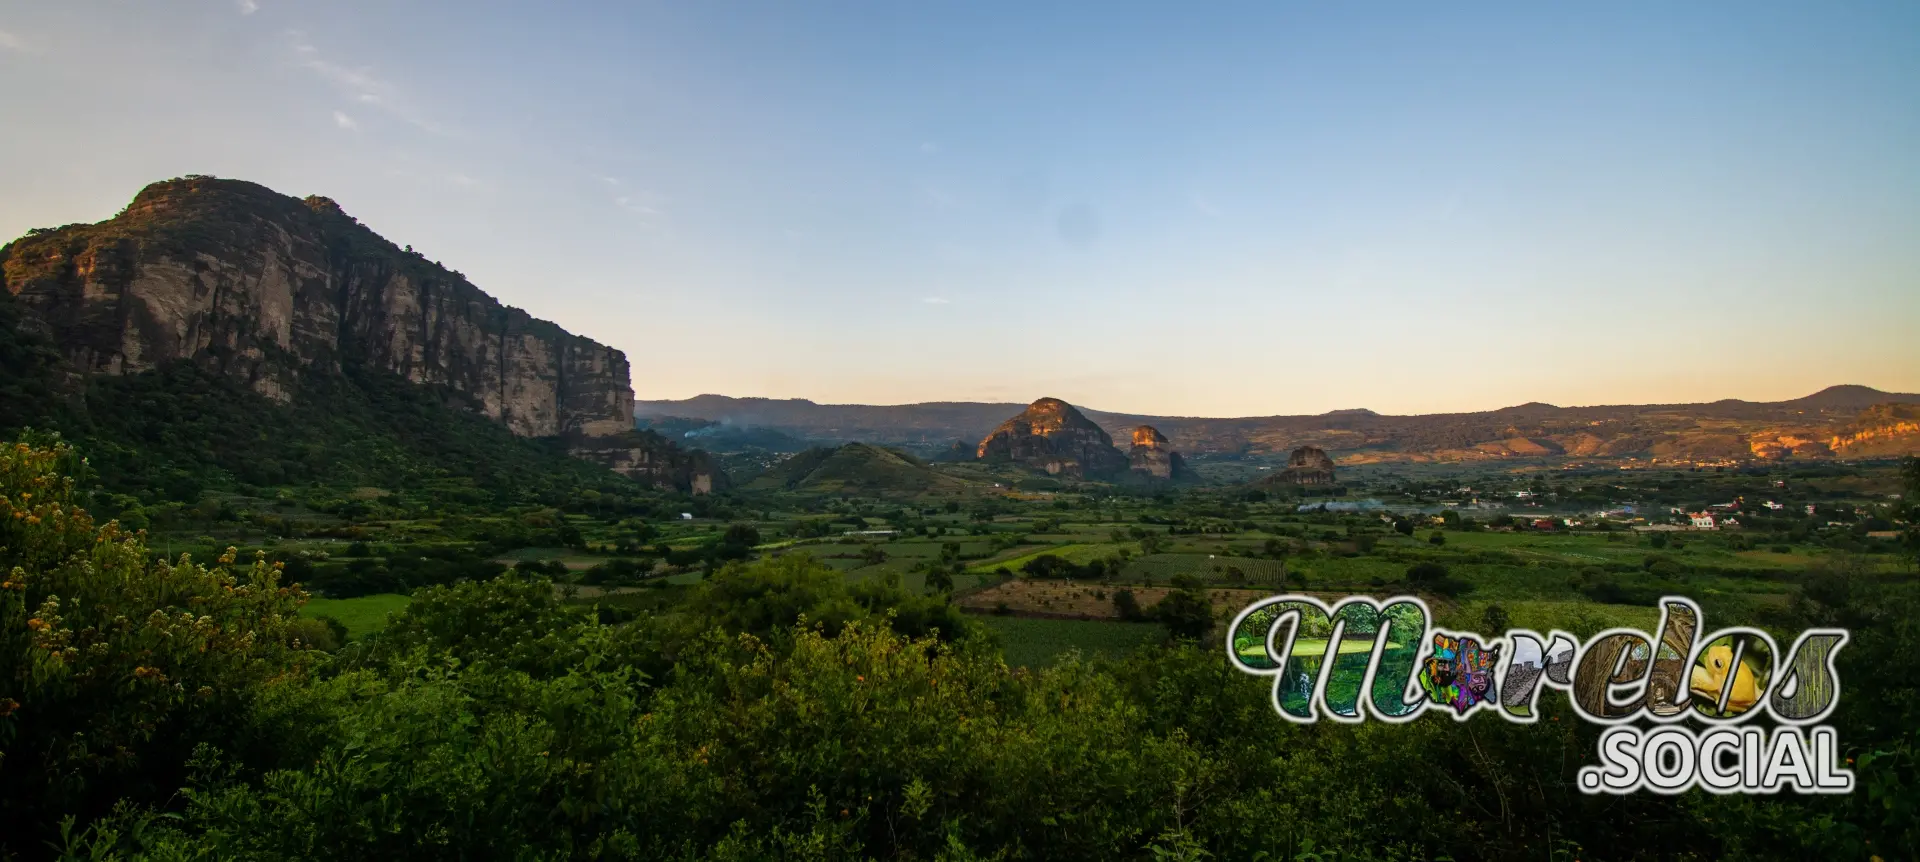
(1328, 660)
(1458, 673)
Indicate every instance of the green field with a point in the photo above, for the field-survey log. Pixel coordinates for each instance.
(1311, 647)
(1079, 553)
(1162, 568)
(362, 616)
(1037, 642)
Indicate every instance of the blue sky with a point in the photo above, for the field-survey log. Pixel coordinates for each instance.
(1250, 209)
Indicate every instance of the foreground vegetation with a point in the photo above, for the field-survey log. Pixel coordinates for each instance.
(173, 709)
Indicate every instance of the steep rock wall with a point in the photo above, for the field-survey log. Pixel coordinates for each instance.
(258, 285)
(261, 287)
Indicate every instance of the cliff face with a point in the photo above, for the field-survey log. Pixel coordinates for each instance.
(1152, 455)
(1883, 429)
(1051, 435)
(259, 287)
(650, 458)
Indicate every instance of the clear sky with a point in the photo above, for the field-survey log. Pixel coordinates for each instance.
(1200, 209)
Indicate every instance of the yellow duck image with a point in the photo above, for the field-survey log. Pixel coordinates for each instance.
(1710, 677)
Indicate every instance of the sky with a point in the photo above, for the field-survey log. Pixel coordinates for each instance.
(1220, 209)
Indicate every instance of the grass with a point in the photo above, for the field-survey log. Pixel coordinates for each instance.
(1583, 618)
(1038, 642)
(362, 616)
(1083, 553)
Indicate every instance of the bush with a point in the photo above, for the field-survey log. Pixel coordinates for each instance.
(1186, 611)
(113, 669)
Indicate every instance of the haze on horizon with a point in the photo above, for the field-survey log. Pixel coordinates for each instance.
(1248, 209)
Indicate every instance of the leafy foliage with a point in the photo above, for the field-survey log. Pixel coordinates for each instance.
(781, 712)
(111, 669)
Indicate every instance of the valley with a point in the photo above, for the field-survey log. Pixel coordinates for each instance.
(464, 533)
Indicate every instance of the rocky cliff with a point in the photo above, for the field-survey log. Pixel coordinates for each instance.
(1880, 430)
(1152, 456)
(1051, 435)
(261, 287)
(1307, 465)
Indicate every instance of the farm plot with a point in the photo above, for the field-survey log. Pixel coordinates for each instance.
(1020, 556)
(362, 615)
(1037, 642)
(1162, 568)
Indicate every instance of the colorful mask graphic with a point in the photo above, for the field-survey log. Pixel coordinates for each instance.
(1459, 673)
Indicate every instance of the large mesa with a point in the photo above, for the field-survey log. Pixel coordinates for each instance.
(1050, 435)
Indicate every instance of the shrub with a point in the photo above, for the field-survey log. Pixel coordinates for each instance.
(114, 669)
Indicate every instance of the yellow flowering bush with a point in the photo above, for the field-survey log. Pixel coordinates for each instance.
(113, 667)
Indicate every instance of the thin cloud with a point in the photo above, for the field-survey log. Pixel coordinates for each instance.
(463, 180)
(1205, 207)
(612, 181)
(248, 7)
(344, 121)
(929, 147)
(365, 87)
(628, 203)
(936, 198)
(12, 42)
(936, 300)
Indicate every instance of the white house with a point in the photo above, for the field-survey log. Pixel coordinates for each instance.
(1703, 520)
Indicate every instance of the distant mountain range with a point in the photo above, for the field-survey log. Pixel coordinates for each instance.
(1849, 421)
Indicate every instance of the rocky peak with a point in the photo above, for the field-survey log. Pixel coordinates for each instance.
(1048, 415)
(1149, 436)
(1053, 436)
(1307, 465)
(1153, 456)
(264, 288)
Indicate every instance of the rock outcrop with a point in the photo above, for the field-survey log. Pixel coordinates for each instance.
(650, 458)
(1880, 430)
(1152, 456)
(1307, 465)
(1051, 435)
(261, 287)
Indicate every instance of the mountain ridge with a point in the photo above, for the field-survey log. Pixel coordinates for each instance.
(1719, 429)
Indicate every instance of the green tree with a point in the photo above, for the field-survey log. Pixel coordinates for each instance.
(1425, 575)
(1186, 611)
(1494, 621)
(741, 534)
